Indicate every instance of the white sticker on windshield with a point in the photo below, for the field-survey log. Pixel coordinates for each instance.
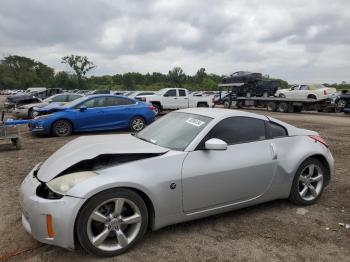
(194, 122)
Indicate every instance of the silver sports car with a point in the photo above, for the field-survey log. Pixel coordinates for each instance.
(103, 192)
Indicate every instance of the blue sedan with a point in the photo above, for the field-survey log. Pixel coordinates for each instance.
(93, 113)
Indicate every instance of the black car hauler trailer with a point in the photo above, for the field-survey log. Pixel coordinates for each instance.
(278, 104)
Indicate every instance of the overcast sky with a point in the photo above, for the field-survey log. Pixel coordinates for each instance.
(296, 40)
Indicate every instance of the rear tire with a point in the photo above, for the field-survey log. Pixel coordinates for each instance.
(227, 104)
(271, 106)
(282, 107)
(62, 128)
(156, 109)
(311, 97)
(310, 177)
(137, 124)
(202, 105)
(341, 103)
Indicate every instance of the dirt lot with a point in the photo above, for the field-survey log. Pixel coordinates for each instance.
(268, 232)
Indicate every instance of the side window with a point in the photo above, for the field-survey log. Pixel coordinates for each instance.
(171, 92)
(118, 101)
(145, 93)
(235, 130)
(72, 97)
(304, 87)
(95, 102)
(182, 92)
(277, 130)
(60, 98)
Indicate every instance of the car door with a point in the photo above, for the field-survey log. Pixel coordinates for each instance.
(170, 99)
(118, 112)
(182, 99)
(243, 172)
(303, 92)
(89, 115)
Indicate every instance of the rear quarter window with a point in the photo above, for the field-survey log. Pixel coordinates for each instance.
(277, 130)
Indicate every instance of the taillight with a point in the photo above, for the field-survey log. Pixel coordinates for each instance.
(325, 92)
(319, 139)
(151, 107)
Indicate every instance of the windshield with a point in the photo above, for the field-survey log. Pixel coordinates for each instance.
(75, 102)
(175, 130)
(161, 91)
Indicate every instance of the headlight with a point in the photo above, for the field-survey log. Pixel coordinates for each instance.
(63, 184)
(42, 117)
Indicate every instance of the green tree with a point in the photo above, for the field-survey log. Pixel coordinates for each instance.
(80, 65)
(21, 72)
(200, 75)
(177, 77)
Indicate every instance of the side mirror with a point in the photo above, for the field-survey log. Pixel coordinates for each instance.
(82, 108)
(215, 144)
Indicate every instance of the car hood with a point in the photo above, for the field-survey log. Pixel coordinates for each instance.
(89, 147)
(51, 107)
(40, 104)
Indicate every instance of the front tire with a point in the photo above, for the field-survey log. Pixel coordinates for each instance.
(112, 222)
(308, 183)
(62, 128)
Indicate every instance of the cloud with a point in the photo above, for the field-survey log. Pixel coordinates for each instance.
(300, 41)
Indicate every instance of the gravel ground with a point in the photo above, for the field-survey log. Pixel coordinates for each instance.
(274, 231)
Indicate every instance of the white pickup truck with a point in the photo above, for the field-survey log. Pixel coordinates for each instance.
(175, 98)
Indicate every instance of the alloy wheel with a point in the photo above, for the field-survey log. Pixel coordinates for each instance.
(310, 182)
(138, 124)
(114, 224)
(62, 128)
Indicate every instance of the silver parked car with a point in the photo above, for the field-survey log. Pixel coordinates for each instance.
(104, 191)
(27, 110)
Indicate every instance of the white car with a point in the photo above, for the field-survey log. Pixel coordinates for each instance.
(310, 91)
(175, 98)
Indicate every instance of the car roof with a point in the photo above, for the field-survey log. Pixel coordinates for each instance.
(220, 113)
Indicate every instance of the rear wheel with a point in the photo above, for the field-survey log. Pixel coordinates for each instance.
(341, 103)
(271, 106)
(61, 128)
(282, 107)
(311, 97)
(308, 182)
(156, 109)
(111, 222)
(137, 124)
(227, 104)
(201, 104)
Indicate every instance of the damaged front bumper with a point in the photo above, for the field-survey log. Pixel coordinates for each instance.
(36, 209)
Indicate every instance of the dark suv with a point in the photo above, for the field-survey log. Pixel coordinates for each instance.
(242, 77)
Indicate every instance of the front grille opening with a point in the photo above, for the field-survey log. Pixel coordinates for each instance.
(44, 192)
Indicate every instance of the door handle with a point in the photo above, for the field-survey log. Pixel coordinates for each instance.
(274, 151)
(175, 97)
